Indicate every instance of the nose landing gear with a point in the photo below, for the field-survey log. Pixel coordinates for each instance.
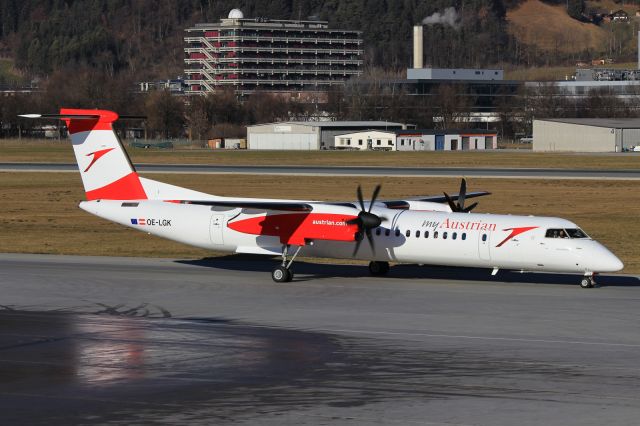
(588, 281)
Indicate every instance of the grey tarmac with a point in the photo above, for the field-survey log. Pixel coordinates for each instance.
(86, 340)
(507, 173)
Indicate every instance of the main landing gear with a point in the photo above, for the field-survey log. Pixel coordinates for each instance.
(588, 281)
(378, 268)
(283, 273)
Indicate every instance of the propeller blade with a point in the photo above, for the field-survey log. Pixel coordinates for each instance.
(471, 207)
(370, 238)
(452, 205)
(374, 196)
(463, 193)
(357, 247)
(360, 200)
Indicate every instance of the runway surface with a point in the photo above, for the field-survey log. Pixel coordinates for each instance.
(130, 341)
(622, 174)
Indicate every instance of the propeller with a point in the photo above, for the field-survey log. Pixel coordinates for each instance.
(366, 220)
(458, 206)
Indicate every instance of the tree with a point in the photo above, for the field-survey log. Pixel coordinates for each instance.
(165, 114)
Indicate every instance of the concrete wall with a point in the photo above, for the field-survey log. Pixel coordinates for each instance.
(283, 136)
(554, 136)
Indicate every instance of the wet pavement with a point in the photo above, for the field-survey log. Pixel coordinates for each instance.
(156, 341)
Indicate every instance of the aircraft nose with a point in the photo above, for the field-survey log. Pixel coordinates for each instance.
(605, 261)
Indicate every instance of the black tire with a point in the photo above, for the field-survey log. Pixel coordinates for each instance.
(586, 283)
(281, 275)
(378, 268)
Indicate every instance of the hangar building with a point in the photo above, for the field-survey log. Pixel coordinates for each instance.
(307, 135)
(586, 134)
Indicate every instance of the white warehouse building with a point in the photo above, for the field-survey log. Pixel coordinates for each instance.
(368, 140)
(308, 135)
(586, 134)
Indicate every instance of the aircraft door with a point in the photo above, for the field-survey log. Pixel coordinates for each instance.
(484, 245)
(216, 229)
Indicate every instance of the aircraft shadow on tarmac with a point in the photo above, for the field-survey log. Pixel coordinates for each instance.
(306, 271)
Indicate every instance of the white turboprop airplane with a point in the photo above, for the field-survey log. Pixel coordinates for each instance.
(435, 230)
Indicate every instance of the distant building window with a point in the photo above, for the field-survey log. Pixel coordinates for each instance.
(359, 141)
(389, 142)
(348, 141)
(378, 142)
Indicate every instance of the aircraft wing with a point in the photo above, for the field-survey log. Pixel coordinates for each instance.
(404, 204)
(258, 205)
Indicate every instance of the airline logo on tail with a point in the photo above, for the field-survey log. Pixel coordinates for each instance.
(96, 156)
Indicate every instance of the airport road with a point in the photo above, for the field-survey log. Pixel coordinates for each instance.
(524, 173)
(130, 341)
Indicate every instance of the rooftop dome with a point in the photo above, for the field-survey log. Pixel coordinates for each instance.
(236, 14)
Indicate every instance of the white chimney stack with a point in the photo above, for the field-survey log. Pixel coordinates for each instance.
(418, 51)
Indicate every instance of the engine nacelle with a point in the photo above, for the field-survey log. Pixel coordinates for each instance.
(428, 206)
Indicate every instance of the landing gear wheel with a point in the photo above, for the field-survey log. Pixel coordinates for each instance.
(281, 275)
(378, 268)
(587, 282)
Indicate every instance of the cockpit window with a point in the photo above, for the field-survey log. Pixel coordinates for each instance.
(556, 233)
(566, 233)
(576, 233)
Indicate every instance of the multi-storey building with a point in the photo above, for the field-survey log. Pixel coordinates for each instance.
(267, 54)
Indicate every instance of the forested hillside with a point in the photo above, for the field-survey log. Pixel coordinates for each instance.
(144, 37)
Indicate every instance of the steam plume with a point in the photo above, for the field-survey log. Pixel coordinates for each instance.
(449, 17)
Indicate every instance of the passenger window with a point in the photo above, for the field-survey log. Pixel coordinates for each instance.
(435, 234)
(397, 232)
(464, 236)
(426, 234)
(484, 237)
(417, 234)
(444, 235)
(408, 233)
(387, 232)
(378, 231)
(455, 235)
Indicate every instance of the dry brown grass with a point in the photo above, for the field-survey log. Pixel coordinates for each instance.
(550, 28)
(40, 213)
(38, 151)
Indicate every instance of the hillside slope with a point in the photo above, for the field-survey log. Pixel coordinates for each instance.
(551, 29)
